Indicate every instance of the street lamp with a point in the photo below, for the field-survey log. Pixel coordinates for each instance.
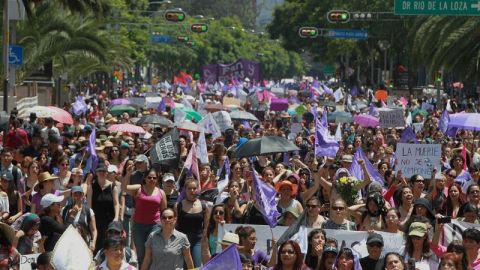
(384, 46)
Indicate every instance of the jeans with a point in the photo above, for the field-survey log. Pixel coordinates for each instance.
(196, 250)
(140, 233)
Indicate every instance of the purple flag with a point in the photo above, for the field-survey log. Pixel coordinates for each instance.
(162, 106)
(443, 124)
(79, 106)
(408, 135)
(373, 111)
(327, 90)
(356, 169)
(315, 112)
(325, 145)
(324, 119)
(265, 200)
(354, 91)
(92, 151)
(286, 158)
(227, 259)
(451, 132)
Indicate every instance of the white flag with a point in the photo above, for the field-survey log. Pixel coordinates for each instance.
(338, 133)
(210, 126)
(202, 148)
(338, 95)
(179, 116)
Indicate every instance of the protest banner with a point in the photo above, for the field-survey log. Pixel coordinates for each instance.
(138, 101)
(223, 120)
(418, 159)
(353, 239)
(391, 118)
(453, 231)
(231, 102)
(27, 260)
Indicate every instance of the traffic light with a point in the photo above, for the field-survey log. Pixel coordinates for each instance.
(182, 38)
(308, 32)
(199, 28)
(338, 16)
(175, 16)
(362, 16)
(118, 75)
(439, 76)
(191, 43)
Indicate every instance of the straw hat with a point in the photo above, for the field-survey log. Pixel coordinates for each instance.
(43, 177)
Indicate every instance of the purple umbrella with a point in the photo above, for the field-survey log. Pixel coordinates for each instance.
(120, 101)
(366, 120)
(470, 121)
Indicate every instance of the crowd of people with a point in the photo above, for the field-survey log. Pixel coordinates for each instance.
(133, 213)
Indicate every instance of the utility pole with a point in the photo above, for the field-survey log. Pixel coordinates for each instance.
(6, 41)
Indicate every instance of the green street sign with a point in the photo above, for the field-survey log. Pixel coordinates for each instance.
(438, 7)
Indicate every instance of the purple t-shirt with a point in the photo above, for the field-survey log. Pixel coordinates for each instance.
(37, 197)
(260, 257)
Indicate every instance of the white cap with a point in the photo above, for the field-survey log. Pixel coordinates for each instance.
(112, 168)
(49, 199)
(168, 177)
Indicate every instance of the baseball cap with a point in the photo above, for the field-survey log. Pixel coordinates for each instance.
(375, 238)
(49, 199)
(330, 249)
(168, 177)
(115, 226)
(141, 158)
(347, 158)
(112, 168)
(77, 189)
(417, 229)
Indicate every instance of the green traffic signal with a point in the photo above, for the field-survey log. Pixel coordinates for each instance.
(182, 38)
(338, 16)
(308, 32)
(199, 28)
(175, 16)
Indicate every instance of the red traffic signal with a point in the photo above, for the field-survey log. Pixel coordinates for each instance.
(308, 32)
(175, 16)
(338, 16)
(182, 38)
(199, 28)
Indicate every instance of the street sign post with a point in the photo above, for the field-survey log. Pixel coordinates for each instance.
(438, 7)
(161, 39)
(347, 34)
(15, 55)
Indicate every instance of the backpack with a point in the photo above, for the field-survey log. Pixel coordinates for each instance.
(84, 212)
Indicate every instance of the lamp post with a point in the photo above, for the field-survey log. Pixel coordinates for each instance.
(6, 41)
(384, 46)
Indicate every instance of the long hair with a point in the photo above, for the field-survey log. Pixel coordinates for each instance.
(211, 220)
(310, 259)
(347, 252)
(425, 246)
(448, 206)
(298, 265)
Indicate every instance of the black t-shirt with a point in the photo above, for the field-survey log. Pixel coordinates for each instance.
(50, 228)
(368, 263)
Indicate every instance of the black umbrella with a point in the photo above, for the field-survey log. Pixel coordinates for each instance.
(265, 145)
(243, 115)
(154, 119)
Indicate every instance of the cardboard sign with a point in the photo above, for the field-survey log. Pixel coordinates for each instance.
(418, 159)
(27, 260)
(231, 102)
(391, 118)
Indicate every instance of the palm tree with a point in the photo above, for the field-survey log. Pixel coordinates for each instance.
(100, 8)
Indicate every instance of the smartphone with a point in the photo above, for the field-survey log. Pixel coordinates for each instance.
(444, 220)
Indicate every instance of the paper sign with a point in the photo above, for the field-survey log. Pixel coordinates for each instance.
(418, 159)
(27, 260)
(391, 118)
(232, 102)
(417, 127)
(223, 120)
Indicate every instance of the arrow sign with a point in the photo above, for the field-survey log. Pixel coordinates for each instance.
(438, 7)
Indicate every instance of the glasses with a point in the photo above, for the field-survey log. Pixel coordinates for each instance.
(312, 205)
(167, 217)
(335, 208)
(114, 150)
(474, 191)
(218, 213)
(419, 181)
(287, 251)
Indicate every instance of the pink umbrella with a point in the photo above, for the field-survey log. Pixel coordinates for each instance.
(126, 128)
(61, 115)
(366, 120)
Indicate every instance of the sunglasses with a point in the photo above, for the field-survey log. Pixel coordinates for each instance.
(151, 177)
(287, 251)
(334, 208)
(218, 213)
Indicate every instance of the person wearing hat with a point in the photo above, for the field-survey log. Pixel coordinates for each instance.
(9, 256)
(287, 191)
(289, 216)
(374, 248)
(170, 189)
(27, 232)
(417, 247)
(115, 230)
(347, 161)
(51, 222)
(172, 254)
(329, 257)
(104, 198)
(84, 216)
(45, 185)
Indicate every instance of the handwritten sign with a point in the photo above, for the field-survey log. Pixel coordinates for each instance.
(27, 260)
(391, 118)
(418, 159)
(223, 120)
